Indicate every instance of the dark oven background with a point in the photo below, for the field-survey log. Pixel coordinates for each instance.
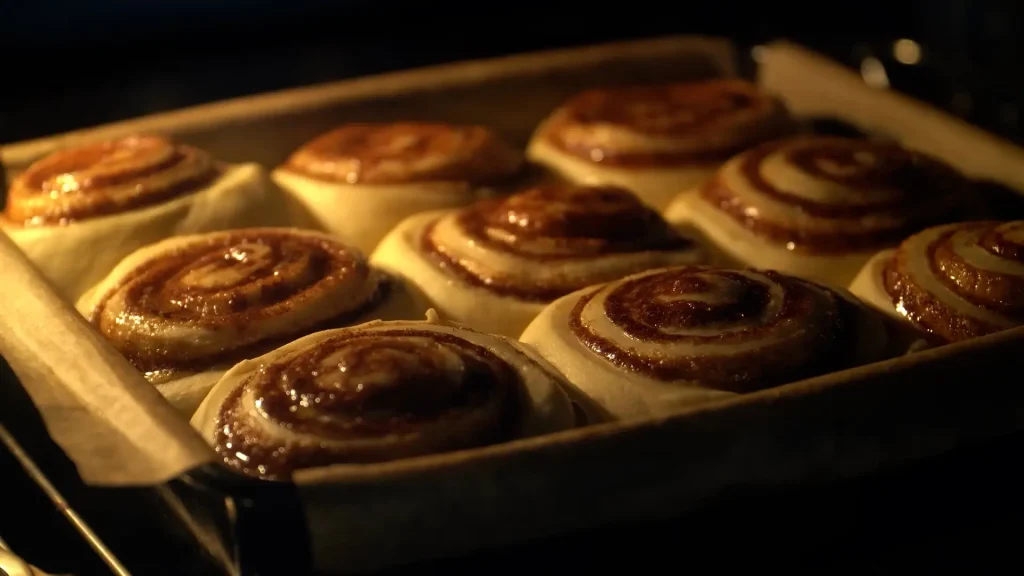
(75, 63)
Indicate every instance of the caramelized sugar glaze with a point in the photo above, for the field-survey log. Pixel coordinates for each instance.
(227, 295)
(729, 330)
(960, 281)
(666, 125)
(368, 396)
(549, 226)
(106, 178)
(406, 152)
(829, 195)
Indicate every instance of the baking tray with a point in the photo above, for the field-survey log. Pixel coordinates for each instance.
(847, 423)
(885, 523)
(196, 524)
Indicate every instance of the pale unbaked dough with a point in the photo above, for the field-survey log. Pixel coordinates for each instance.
(655, 186)
(76, 256)
(361, 214)
(868, 286)
(690, 210)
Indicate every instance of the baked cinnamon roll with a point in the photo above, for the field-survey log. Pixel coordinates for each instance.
(377, 392)
(957, 281)
(494, 265)
(819, 207)
(656, 140)
(359, 180)
(77, 212)
(661, 340)
(185, 309)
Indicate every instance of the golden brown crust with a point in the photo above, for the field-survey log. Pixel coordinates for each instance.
(236, 284)
(105, 178)
(730, 330)
(368, 396)
(960, 281)
(832, 195)
(666, 125)
(404, 152)
(550, 223)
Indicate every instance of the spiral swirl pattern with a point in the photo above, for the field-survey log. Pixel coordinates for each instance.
(368, 396)
(728, 330)
(406, 152)
(106, 178)
(829, 195)
(666, 125)
(203, 300)
(960, 281)
(550, 240)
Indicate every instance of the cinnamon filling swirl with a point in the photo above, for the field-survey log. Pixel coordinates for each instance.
(829, 195)
(734, 331)
(666, 125)
(962, 280)
(232, 296)
(580, 235)
(106, 178)
(368, 397)
(406, 152)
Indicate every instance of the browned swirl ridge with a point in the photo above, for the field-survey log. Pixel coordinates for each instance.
(697, 123)
(106, 178)
(960, 281)
(230, 296)
(830, 195)
(368, 397)
(730, 330)
(406, 152)
(551, 223)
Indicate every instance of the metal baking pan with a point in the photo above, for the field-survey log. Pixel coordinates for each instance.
(900, 518)
(844, 424)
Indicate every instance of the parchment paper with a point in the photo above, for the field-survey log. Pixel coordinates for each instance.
(812, 84)
(111, 423)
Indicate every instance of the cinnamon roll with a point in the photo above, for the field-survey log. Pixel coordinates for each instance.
(957, 281)
(657, 341)
(359, 180)
(656, 140)
(494, 265)
(77, 212)
(377, 392)
(185, 309)
(819, 207)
